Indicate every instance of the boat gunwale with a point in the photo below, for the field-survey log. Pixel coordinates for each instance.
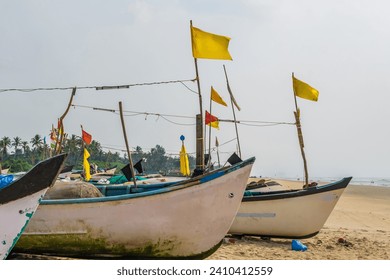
(215, 174)
(43, 175)
(283, 194)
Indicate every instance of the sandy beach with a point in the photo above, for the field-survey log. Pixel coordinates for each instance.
(361, 219)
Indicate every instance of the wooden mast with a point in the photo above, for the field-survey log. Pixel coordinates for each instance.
(199, 122)
(60, 136)
(234, 114)
(127, 144)
(300, 137)
(209, 163)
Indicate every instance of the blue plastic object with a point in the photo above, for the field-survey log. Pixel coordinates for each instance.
(5, 180)
(296, 245)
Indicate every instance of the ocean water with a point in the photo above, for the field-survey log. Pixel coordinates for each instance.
(366, 181)
(383, 182)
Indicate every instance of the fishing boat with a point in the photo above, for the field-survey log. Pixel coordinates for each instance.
(294, 214)
(20, 199)
(4, 171)
(65, 172)
(286, 213)
(186, 219)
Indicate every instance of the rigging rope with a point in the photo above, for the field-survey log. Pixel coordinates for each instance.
(100, 87)
(164, 116)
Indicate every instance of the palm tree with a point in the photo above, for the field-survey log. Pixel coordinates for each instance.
(4, 144)
(72, 146)
(17, 141)
(36, 142)
(94, 148)
(25, 147)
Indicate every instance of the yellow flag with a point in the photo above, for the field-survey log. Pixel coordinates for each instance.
(216, 97)
(214, 124)
(184, 164)
(211, 120)
(208, 45)
(86, 165)
(305, 91)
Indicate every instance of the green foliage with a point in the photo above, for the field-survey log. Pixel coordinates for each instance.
(17, 165)
(24, 156)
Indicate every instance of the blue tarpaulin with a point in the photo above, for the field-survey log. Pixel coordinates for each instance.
(5, 180)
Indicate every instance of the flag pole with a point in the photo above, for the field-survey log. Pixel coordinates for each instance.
(217, 145)
(82, 146)
(210, 136)
(234, 114)
(300, 136)
(199, 121)
(127, 144)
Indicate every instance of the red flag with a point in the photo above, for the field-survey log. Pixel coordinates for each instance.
(211, 120)
(59, 127)
(87, 138)
(53, 135)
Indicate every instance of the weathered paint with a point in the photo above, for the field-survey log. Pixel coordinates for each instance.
(28, 217)
(16, 220)
(289, 214)
(180, 221)
(20, 199)
(84, 247)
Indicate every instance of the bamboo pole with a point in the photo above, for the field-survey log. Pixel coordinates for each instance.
(199, 121)
(209, 163)
(300, 137)
(127, 144)
(82, 146)
(234, 114)
(60, 136)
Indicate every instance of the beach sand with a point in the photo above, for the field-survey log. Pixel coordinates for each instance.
(361, 218)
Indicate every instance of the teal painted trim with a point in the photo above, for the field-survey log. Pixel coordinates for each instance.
(220, 172)
(29, 216)
(173, 187)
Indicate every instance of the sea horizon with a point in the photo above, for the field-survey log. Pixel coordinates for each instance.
(363, 181)
(366, 181)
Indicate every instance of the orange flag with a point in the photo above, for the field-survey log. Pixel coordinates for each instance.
(87, 138)
(211, 120)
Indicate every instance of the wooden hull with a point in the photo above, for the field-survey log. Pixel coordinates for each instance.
(65, 172)
(20, 199)
(187, 219)
(288, 214)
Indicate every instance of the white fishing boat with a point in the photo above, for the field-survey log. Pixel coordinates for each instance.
(186, 219)
(20, 199)
(292, 214)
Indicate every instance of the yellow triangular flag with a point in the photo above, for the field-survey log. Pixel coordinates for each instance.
(304, 90)
(217, 98)
(208, 45)
(87, 170)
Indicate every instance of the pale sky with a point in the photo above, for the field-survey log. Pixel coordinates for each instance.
(339, 47)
